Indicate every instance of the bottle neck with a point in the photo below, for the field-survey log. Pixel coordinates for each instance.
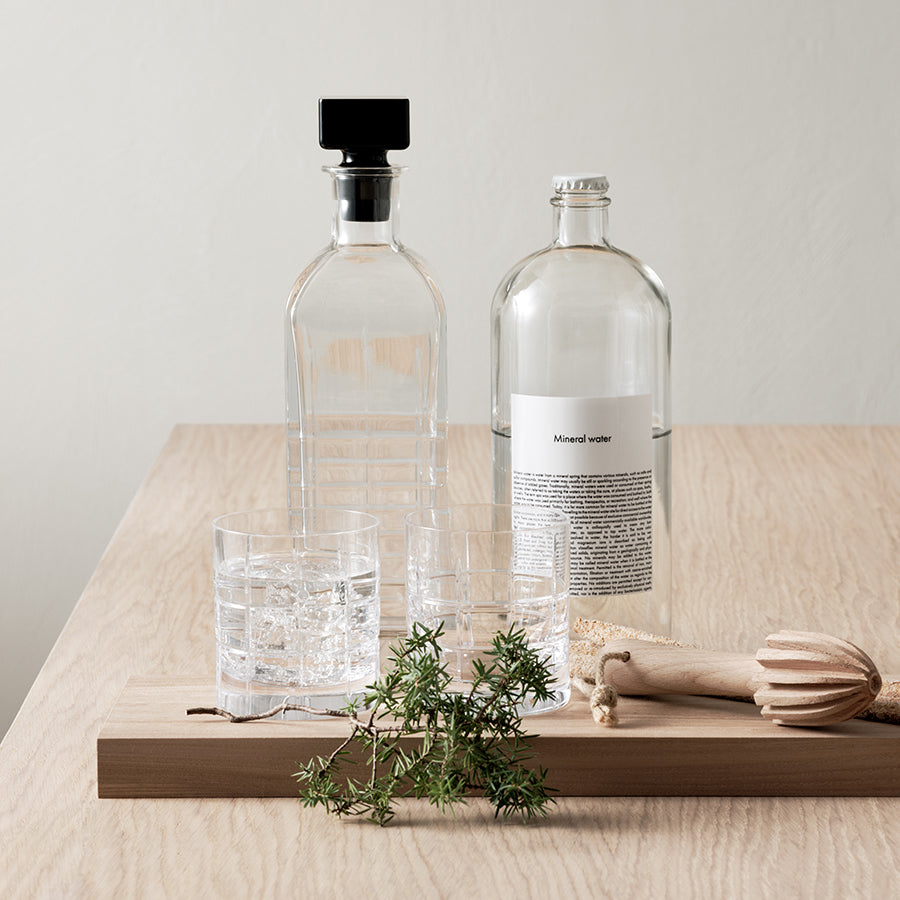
(347, 232)
(580, 222)
(365, 206)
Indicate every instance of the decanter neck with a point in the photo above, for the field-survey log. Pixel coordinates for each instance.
(365, 205)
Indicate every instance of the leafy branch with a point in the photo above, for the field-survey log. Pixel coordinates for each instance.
(440, 744)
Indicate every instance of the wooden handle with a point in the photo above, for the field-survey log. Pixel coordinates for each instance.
(664, 669)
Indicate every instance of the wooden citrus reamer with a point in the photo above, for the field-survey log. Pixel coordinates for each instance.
(798, 678)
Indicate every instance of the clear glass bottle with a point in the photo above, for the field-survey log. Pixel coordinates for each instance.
(366, 383)
(581, 338)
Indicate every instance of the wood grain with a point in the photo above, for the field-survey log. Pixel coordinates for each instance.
(774, 527)
(149, 748)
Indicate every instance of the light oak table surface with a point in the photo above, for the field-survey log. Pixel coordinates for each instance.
(773, 527)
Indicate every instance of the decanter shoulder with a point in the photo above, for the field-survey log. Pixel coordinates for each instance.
(308, 274)
(372, 284)
(421, 267)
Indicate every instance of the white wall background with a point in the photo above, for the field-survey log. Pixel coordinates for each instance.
(160, 189)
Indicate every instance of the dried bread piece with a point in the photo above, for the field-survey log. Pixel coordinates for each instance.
(886, 706)
(601, 632)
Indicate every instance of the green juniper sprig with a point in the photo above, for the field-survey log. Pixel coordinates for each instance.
(439, 745)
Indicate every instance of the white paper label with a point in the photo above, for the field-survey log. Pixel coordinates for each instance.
(591, 457)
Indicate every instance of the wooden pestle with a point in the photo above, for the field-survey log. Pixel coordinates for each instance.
(798, 678)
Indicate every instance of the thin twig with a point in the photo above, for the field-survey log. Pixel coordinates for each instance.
(368, 728)
(281, 708)
(359, 724)
(335, 753)
(501, 686)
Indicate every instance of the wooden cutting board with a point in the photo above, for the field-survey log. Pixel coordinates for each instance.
(667, 746)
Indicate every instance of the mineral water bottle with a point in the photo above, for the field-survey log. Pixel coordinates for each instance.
(581, 336)
(366, 383)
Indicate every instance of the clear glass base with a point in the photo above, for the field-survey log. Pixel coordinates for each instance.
(236, 700)
(557, 701)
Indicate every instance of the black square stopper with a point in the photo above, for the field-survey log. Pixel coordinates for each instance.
(364, 129)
